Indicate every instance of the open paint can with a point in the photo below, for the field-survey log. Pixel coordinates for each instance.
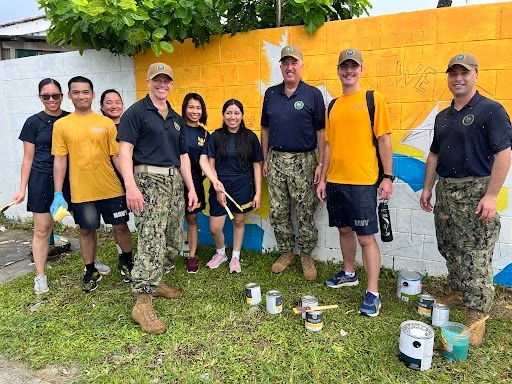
(409, 285)
(416, 345)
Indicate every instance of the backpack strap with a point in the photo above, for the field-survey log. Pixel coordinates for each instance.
(370, 102)
(331, 104)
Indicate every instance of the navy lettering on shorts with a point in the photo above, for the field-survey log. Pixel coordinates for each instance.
(113, 210)
(353, 206)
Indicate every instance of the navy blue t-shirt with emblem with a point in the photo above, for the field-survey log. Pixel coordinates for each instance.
(38, 130)
(197, 141)
(229, 166)
(156, 141)
(467, 140)
(293, 121)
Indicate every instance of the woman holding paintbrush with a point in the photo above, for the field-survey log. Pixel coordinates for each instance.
(37, 174)
(234, 153)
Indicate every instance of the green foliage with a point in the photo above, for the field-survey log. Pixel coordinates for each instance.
(130, 26)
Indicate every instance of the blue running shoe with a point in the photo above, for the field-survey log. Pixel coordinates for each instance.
(342, 280)
(371, 305)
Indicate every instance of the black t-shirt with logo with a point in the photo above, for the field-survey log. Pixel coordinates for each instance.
(38, 130)
(197, 142)
(466, 140)
(156, 141)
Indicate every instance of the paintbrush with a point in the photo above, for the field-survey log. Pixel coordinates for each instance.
(233, 200)
(472, 327)
(298, 310)
(6, 207)
(230, 214)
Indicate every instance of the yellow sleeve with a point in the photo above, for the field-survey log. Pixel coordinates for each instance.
(112, 134)
(382, 122)
(59, 145)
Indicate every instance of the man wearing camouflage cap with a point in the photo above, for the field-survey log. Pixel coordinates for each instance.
(470, 152)
(292, 130)
(154, 165)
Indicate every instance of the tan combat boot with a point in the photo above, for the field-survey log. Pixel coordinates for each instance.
(477, 334)
(163, 290)
(453, 300)
(285, 260)
(144, 314)
(308, 266)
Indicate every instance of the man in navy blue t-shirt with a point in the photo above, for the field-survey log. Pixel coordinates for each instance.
(471, 154)
(292, 129)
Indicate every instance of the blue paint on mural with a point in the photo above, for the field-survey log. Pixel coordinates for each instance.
(409, 170)
(504, 277)
(253, 237)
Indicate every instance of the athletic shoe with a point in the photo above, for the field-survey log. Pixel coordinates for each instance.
(41, 284)
(342, 280)
(216, 260)
(168, 267)
(234, 265)
(91, 281)
(103, 269)
(125, 269)
(192, 265)
(371, 305)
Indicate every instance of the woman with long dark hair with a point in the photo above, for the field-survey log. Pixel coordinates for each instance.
(37, 174)
(234, 153)
(193, 111)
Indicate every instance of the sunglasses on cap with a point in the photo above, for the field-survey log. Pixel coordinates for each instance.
(54, 96)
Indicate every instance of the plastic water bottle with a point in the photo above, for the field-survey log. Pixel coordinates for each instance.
(186, 249)
(386, 234)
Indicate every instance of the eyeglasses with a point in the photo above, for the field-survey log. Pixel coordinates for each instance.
(54, 96)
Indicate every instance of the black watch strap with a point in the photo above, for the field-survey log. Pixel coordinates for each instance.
(390, 177)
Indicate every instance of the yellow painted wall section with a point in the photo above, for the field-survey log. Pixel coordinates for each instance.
(405, 58)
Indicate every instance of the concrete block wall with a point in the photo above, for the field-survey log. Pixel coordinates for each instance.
(18, 100)
(405, 58)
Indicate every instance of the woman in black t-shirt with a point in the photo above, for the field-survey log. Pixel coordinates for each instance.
(37, 174)
(235, 154)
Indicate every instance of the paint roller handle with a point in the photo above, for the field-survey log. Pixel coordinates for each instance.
(468, 330)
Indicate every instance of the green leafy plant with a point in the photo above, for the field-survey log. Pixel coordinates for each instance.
(130, 26)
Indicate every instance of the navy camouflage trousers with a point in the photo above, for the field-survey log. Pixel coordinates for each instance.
(290, 184)
(465, 242)
(158, 227)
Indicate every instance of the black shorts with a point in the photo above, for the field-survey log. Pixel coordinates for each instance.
(353, 206)
(113, 211)
(240, 188)
(40, 192)
(199, 187)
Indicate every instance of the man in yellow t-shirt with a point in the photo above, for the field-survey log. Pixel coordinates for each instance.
(349, 177)
(88, 141)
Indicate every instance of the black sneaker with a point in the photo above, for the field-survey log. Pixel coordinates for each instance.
(91, 281)
(125, 269)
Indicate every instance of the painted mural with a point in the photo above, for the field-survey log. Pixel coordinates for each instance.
(405, 58)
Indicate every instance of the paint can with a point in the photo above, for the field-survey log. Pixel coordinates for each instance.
(454, 346)
(274, 302)
(425, 304)
(308, 301)
(440, 314)
(416, 345)
(253, 294)
(314, 321)
(409, 285)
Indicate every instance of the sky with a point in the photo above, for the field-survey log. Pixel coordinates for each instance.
(20, 9)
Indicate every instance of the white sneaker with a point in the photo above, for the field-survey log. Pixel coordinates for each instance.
(41, 284)
(103, 269)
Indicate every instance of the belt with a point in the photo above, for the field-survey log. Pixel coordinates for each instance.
(456, 180)
(167, 171)
(290, 155)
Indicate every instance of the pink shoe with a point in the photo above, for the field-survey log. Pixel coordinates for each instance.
(234, 265)
(216, 261)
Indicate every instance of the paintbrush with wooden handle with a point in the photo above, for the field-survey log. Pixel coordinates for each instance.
(233, 200)
(6, 207)
(298, 310)
(472, 327)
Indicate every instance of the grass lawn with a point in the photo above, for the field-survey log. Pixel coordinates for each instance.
(211, 337)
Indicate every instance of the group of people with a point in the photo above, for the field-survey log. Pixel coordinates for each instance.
(152, 161)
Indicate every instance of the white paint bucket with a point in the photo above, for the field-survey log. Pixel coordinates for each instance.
(416, 345)
(409, 285)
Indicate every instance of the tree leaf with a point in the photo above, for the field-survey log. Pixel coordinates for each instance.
(166, 46)
(156, 49)
(158, 34)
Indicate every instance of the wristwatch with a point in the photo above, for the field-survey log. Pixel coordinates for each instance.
(390, 177)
